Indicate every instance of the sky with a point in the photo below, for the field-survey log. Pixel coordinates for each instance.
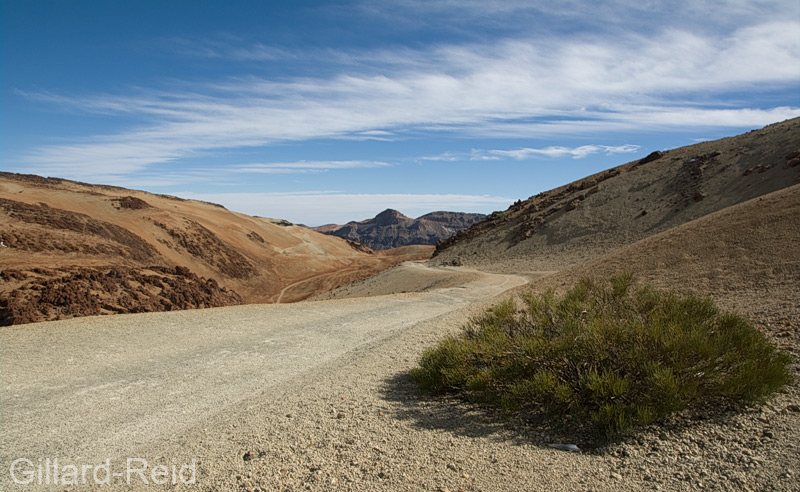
(325, 112)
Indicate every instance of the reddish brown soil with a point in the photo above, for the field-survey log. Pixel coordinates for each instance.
(73, 249)
(65, 292)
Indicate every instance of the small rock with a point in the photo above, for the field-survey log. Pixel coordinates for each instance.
(340, 415)
(616, 476)
(565, 447)
(653, 156)
(248, 456)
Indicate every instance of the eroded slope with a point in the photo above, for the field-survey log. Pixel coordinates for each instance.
(600, 213)
(73, 249)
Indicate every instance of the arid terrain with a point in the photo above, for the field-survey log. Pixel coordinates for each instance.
(316, 396)
(391, 229)
(74, 249)
(600, 213)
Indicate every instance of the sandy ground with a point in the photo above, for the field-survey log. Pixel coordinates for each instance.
(315, 396)
(84, 390)
(405, 277)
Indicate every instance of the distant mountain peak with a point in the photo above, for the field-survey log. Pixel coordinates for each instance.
(392, 229)
(389, 217)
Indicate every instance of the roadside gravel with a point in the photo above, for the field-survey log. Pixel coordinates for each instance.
(352, 421)
(361, 425)
(90, 389)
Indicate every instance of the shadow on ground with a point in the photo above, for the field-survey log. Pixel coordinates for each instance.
(463, 418)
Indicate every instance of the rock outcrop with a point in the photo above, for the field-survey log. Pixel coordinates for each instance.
(46, 294)
(391, 229)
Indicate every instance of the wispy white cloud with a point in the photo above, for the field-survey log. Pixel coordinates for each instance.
(628, 14)
(530, 153)
(632, 118)
(304, 166)
(521, 87)
(317, 208)
(451, 156)
(559, 151)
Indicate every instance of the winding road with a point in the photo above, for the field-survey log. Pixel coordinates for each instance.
(101, 386)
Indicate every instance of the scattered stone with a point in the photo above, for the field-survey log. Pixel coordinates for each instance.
(565, 447)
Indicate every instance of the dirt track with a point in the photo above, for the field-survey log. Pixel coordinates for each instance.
(84, 390)
(316, 396)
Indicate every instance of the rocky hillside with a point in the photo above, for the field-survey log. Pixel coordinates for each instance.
(72, 249)
(577, 222)
(744, 251)
(391, 229)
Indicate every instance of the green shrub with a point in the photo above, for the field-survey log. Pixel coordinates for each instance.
(607, 356)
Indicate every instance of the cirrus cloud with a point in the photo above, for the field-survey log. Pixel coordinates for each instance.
(555, 86)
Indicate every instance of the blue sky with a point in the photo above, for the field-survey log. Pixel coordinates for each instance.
(322, 112)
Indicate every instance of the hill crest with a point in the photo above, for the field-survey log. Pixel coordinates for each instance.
(74, 249)
(599, 213)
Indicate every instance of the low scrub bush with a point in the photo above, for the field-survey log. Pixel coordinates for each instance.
(606, 357)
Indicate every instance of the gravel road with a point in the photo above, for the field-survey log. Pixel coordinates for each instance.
(315, 397)
(87, 389)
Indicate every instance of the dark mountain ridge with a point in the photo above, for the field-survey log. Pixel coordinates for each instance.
(392, 229)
